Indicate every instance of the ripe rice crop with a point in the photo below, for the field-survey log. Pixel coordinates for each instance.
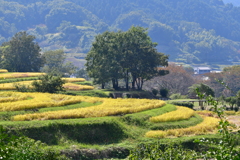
(209, 125)
(12, 96)
(74, 79)
(181, 113)
(3, 71)
(67, 86)
(77, 87)
(109, 107)
(20, 74)
(230, 112)
(10, 86)
(39, 100)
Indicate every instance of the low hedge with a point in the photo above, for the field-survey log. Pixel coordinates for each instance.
(185, 104)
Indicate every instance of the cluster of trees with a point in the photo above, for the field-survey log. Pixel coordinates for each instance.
(177, 81)
(226, 83)
(190, 31)
(129, 55)
(181, 80)
(23, 54)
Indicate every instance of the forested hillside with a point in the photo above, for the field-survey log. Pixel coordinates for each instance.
(190, 31)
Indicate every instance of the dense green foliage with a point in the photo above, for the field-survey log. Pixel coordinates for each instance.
(124, 55)
(21, 54)
(186, 104)
(48, 83)
(191, 31)
(22, 148)
(203, 88)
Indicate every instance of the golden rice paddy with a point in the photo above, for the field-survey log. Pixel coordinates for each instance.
(109, 107)
(182, 113)
(67, 86)
(209, 125)
(20, 75)
(3, 71)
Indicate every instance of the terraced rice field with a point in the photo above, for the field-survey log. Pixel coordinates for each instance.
(108, 107)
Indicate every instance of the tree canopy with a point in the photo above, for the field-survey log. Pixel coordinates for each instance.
(129, 55)
(55, 63)
(21, 54)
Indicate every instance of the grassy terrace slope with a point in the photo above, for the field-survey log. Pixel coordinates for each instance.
(63, 119)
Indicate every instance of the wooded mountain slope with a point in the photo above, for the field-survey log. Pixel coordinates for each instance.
(190, 31)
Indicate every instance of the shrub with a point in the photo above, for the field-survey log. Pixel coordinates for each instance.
(202, 88)
(162, 151)
(22, 87)
(21, 148)
(163, 92)
(178, 96)
(185, 104)
(154, 91)
(48, 83)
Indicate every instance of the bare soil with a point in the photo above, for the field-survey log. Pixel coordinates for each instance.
(234, 119)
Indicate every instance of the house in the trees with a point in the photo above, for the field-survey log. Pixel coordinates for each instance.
(202, 70)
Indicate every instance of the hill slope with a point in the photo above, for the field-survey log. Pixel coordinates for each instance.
(190, 31)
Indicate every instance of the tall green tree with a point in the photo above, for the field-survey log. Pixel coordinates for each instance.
(142, 56)
(103, 59)
(21, 54)
(129, 55)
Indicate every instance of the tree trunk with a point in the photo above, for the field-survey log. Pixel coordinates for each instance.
(115, 83)
(133, 82)
(127, 88)
(103, 85)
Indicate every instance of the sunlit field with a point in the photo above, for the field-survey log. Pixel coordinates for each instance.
(16, 101)
(67, 86)
(20, 75)
(209, 125)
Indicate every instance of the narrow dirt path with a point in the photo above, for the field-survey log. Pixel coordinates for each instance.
(234, 119)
